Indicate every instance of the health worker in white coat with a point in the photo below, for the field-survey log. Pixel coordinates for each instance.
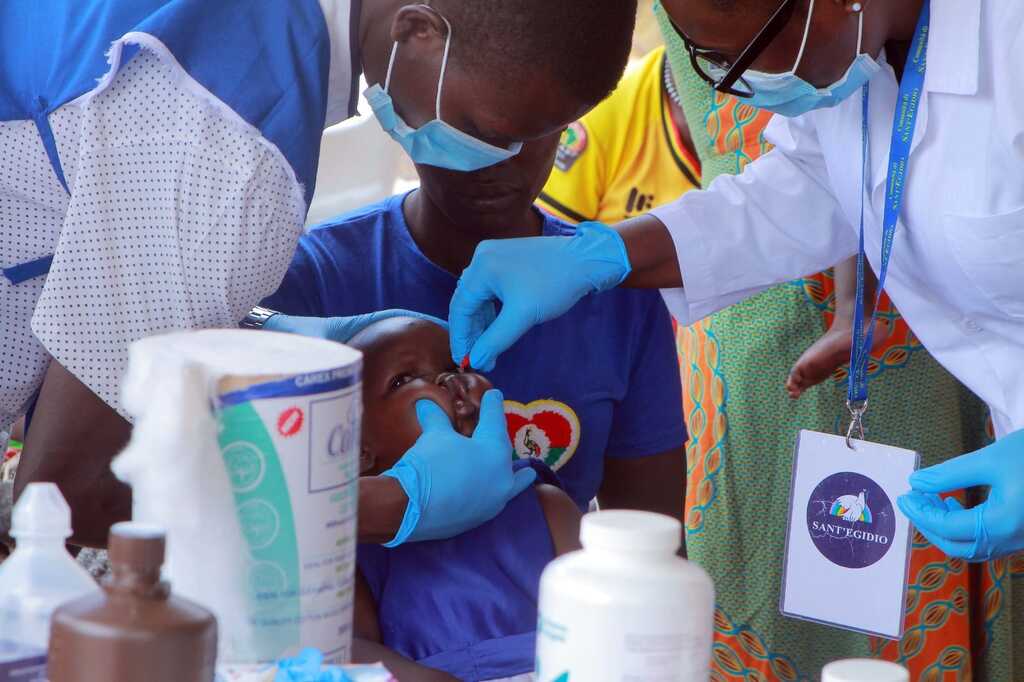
(906, 117)
(157, 158)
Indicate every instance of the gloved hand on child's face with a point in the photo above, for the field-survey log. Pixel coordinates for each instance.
(439, 431)
(443, 499)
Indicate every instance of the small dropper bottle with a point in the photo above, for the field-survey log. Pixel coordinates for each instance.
(40, 575)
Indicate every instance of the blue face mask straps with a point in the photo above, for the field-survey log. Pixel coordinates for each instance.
(790, 95)
(807, 33)
(444, 62)
(435, 143)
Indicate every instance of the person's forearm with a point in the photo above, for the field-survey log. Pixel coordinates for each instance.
(845, 277)
(652, 254)
(382, 504)
(656, 483)
(96, 497)
(366, 651)
(73, 438)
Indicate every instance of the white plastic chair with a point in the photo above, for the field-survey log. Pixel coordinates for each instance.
(358, 166)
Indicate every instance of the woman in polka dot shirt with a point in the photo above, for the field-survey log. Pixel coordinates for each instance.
(157, 158)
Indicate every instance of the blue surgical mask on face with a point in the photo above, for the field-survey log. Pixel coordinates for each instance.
(790, 95)
(435, 143)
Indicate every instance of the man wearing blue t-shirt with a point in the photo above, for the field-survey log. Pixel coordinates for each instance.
(595, 393)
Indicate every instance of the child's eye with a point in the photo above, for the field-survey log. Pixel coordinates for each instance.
(401, 380)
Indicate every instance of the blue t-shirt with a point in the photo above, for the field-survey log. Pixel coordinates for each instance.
(600, 381)
(467, 605)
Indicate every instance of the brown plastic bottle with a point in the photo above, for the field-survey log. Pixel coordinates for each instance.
(134, 630)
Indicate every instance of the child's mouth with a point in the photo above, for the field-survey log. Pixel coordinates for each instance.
(464, 413)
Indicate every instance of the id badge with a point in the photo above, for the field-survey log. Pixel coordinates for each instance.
(847, 543)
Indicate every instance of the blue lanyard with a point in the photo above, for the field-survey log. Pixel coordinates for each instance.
(904, 122)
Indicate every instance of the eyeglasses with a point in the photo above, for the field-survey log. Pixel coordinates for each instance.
(725, 75)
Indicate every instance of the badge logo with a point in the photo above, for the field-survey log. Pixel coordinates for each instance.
(571, 146)
(545, 429)
(851, 520)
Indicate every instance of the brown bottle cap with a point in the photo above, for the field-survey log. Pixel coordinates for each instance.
(137, 546)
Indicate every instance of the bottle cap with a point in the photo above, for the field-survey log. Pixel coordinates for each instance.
(626, 530)
(41, 511)
(137, 546)
(864, 670)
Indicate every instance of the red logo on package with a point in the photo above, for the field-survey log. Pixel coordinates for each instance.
(290, 421)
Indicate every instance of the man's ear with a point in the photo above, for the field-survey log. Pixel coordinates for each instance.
(418, 21)
(367, 460)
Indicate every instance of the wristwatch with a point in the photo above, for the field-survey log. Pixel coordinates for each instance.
(257, 317)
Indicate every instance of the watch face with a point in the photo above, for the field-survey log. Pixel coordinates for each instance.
(257, 317)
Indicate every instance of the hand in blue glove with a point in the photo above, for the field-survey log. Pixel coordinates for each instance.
(306, 667)
(456, 483)
(989, 530)
(339, 329)
(535, 279)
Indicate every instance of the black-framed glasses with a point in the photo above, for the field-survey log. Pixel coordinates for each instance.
(726, 75)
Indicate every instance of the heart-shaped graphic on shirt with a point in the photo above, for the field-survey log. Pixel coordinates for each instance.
(545, 429)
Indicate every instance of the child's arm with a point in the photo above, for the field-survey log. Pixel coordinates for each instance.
(563, 518)
(656, 483)
(832, 350)
(366, 646)
(845, 276)
(74, 437)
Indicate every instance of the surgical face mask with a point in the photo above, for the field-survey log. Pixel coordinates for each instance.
(790, 95)
(435, 143)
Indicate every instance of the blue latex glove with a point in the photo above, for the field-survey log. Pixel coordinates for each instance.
(339, 329)
(456, 483)
(536, 279)
(990, 530)
(306, 668)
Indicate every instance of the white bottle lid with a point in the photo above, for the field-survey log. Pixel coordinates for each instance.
(631, 531)
(864, 670)
(41, 511)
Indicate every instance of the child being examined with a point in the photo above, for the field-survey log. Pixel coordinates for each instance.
(463, 608)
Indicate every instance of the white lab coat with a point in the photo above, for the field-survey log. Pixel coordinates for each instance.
(957, 269)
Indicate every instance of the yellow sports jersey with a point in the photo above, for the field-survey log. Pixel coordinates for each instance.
(623, 158)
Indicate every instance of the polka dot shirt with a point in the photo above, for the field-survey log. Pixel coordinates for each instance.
(180, 216)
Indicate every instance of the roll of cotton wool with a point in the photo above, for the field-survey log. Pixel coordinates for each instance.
(246, 448)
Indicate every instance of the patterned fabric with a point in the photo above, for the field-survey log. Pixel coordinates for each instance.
(960, 618)
(129, 261)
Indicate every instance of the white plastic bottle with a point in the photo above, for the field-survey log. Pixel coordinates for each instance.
(39, 575)
(625, 608)
(864, 670)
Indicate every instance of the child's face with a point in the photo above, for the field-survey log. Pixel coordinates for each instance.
(406, 360)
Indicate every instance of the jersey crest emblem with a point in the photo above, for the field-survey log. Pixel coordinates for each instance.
(571, 146)
(545, 429)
